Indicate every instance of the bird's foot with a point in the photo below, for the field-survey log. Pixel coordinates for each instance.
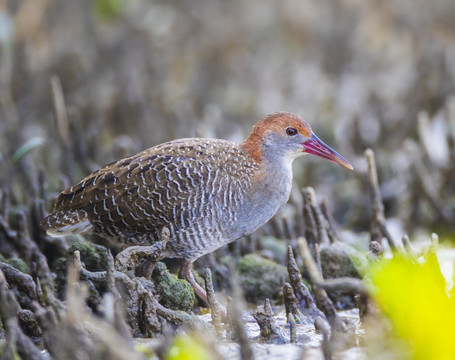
(187, 274)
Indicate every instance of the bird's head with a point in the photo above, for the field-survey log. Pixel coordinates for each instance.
(288, 136)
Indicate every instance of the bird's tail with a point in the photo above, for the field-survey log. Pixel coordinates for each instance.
(60, 223)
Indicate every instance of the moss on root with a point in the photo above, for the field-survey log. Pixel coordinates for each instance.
(175, 293)
(93, 256)
(341, 260)
(16, 262)
(261, 278)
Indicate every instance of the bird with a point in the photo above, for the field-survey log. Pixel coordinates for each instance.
(207, 192)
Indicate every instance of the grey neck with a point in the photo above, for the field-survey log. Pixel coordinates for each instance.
(268, 193)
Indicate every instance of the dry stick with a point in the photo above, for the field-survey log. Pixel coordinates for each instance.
(62, 124)
(5, 203)
(128, 258)
(26, 165)
(213, 303)
(119, 317)
(322, 298)
(5, 229)
(271, 332)
(407, 245)
(317, 257)
(322, 326)
(345, 284)
(93, 297)
(46, 283)
(17, 343)
(289, 227)
(114, 311)
(291, 303)
(331, 229)
(292, 329)
(27, 320)
(32, 255)
(235, 309)
(47, 320)
(306, 302)
(376, 251)
(278, 227)
(450, 122)
(318, 218)
(110, 275)
(23, 282)
(426, 183)
(310, 223)
(61, 116)
(25, 244)
(147, 308)
(115, 345)
(378, 226)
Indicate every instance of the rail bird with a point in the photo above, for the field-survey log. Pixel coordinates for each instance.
(208, 192)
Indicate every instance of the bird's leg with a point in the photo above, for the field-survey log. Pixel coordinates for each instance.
(187, 274)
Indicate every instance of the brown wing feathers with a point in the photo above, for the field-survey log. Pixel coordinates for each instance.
(137, 192)
(157, 187)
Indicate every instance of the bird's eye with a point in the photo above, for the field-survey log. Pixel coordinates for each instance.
(291, 131)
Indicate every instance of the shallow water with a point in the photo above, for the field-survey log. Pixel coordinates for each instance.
(308, 345)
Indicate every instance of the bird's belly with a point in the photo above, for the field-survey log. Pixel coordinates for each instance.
(194, 241)
(213, 229)
(212, 224)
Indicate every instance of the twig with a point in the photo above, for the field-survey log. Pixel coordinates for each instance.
(23, 282)
(62, 125)
(292, 329)
(310, 223)
(291, 303)
(427, 184)
(180, 318)
(17, 343)
(376, 251)
(235, 310)
(93, 299)
(109, 341)
(321, 296)
(331, 229)
(306, 302)
(378, 227)
(128, 258)
(319, 219)
(407, 244)
(147, 311)
(270, 330)
(213, 302)
(345, 284)
(322, 326)
(5, 202)
(288, 225)
(61, 116)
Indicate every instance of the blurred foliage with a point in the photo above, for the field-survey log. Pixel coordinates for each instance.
(108, 10)
(26, 148)
(188, 347)
(414, 296)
